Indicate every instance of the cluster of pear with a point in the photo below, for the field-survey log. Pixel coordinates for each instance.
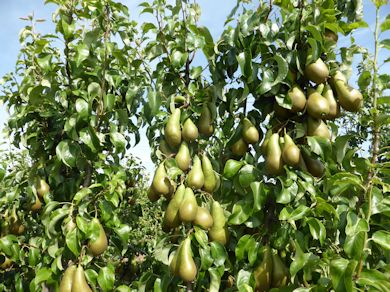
(249, 135)
(271, 272)
(74, 280)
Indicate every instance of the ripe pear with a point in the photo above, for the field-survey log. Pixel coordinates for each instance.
(239, 148)
(99, 245)
(171, 216)
(314, 166)
(161, 182)
(172, 129)
(317, 105)
(317, 72)
(203, 218)
(334, 107)
(185, 263)
(263, 272)
(264, 145)
(219, 231)
(249, 132)
(206, 127)
(152, 194)
(190, 131)
(42, 187)
(291, 153)
(188, 207)
(298, 99)
(273, 161)
(195, 177)
(79, 282)
(67, 279)
(210, 179)
(317, 127)
(349, 98)
(280, 273)
(183, 158)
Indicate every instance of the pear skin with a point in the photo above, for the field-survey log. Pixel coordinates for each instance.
(152, 194)
(264, 145)
(195, 177)
(37, 205)
(280, 273)
(203, 218)
(317, 106)
(206, 127)
(334, 107)
(249, 132)
(219, 231)
(240, 147)
(274, 161)
(298, 99)
(99, 245)
(190, 131)
(79, 282)
(317, 127)
(314, 166)
(263, 272)
(188, 207)
(210, 179)
(67, 279)
(317, 72)
(183, 158)
(171, 216)
(186, 265)
(172, 129)
(291, 153)
(161, 182)
(42, 187)
(349, 98)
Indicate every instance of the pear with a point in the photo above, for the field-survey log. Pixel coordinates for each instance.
(239, 148)
(171, 216)
(349, 98)
(5, 262)
(98, 245)
(152, 194)
(291, 153)
(317, 105)
(174, 264)
(314, 166)
(17, 228)
(280, 273)
(273, 161)
(165, 149)
(249, 132)
(334, 107)
(172, 129)
(183, 158)
(42, 187)
(185, 263)
(317, 127)
(190, 131)
(67, 279)
(263, 272)
(218, 231)
(298, 99)
(203, 218)
(210, 179)
(330, 36)
(195, 177)
(317, 72)
(161, 182)
(79, 282)
(337, 76)
(188, 207)
(264, 145)
(206, 127)
(302, 165)
(37, 205)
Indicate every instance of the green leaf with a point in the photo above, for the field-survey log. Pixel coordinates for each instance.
(385, 25)
(282, 69)
(215, 278)
(208, 49)
(382, 238)
(109, 101)
(118, 140)
(106, 278)
(341, 271)
(82, 53)
(343, 181)
(247, 175)
(243, 281)
(290, 214)
(68, 152)
(82, 108)
(94, 90)
(242, 210)
(201, 237)
(354, 245)
(232, 167)
(218, 253)
(317, 229)
(319, 145)
(375, 279)
(178, 59)
(385, 44)
(245, 243)
(72, 242)
(260, 193)
(244, 59)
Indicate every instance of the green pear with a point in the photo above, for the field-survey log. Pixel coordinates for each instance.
(334, 107)
(264, 145)
(291, 153)
(317, 72)
(79, 282)
(171, 216)
(280, 273)
(183, 157)
(249, 132)
(337, 76)
(206, 127)
(174, 264)
(37, 205)
(274, 161)
(240, 147)
(186, 265)
(98, 245)
(161, 182)
(220, 235)
(67, 279)
(210, 179)
(219, 231)
(190, 131)
(232, 167)
(349, 98)
(317, 127)
(42, 187)
(195, 177)
(314, 166)
(263, 272)
(188, 207)
(203, 218)
(172, 129)
(298, 99)
(317, 105)
(152, 194)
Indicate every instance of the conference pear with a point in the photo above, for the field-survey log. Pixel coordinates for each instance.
(67, 279)
(42, 187)
(240, 147)
(195, 177)
(203, 218)
(79, 282)
(186, 265)
(317, 105)
(249, 132)
(349, 98)
(188, 207)
(172, 129)
(280, 273)
(171, 216)
(291, 153)
(161, 182)
(37, 205)
(183, 158)
(190, 131)
(263, 272)
(317, 72)
(274, 161)
(98, 245)
(334, 107)
(219, 231)
(206, 127)
(298, 99)
(264, 145)
(317, 127)
(315, 167)
(210, 179)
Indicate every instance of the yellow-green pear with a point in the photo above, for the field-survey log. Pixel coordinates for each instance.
(161, 182)
(98, 245)
(183, 158)
(263, 272)
(186, 265)
(188, 207)
(240, 147)
(172, 129)
(171, 216)
(203, 218)
(337, 76)
(195, 177)
(274, 161)
(349, 98)
(174, 264)
(317, 72)
(264, 145)
(249, 132)
(206, 127)
(280, 273)
(79, 282)
(317, 127)
(42, 187)
(317, 105)
(291, 153)
(219, 231)
(190, 131)
(67, 279)
(334, 107)
(298, 99)
(210, 179)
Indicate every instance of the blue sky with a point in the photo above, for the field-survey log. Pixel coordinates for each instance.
(213, 16)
